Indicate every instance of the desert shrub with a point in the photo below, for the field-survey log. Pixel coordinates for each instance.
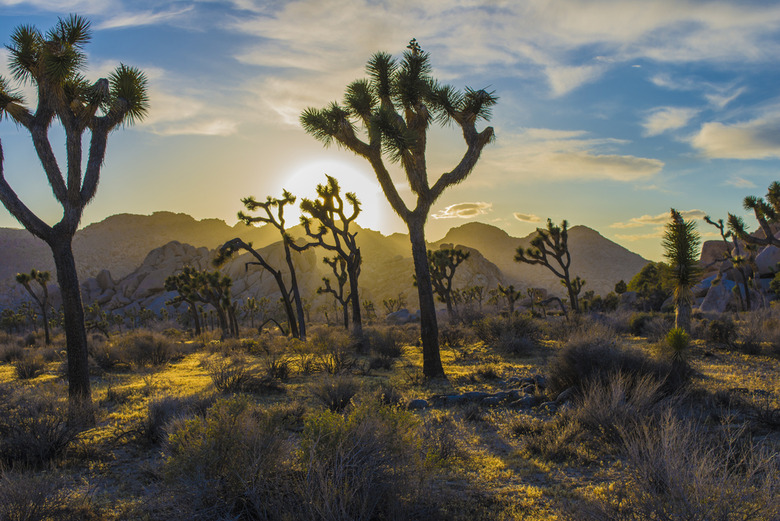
(386, 343)
(441, 440)
(557, 440)
(10, 352)
(517, 334)
(232, 463)
(147, 348)
(752, 331)
(34, 428)
(161, 411)
(722, 331)
(676, 473)
(29, 366)
(651, 325)
(107, 356)
(581, 362)
(336, 392)
(456, 335)
(35, 497)
(364, 465)
(232, 374)
(334, 350)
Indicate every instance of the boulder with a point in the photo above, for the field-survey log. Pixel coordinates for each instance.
(416, 405)
(718, 297)
(402, 316)
(767, 260)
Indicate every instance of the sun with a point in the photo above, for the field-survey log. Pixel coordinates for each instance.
(302, 182)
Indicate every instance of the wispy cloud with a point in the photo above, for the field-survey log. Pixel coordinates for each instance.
(463, 210)
(526, 217)
(632, 237)
(546, 154)
(125, 20)
(86, 7)
(740, 182)
(660, 218)
(664, 119)
(718, 96)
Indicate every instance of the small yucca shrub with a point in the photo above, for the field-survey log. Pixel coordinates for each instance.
(678, 341)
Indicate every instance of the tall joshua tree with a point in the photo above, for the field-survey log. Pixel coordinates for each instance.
(334, 235)
(550, 248)
(52, 63)
(273, 208)
(42, 278)
(395, 108)
(681, 248)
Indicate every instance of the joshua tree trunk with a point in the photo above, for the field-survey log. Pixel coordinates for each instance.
(353, 274)
(296, 292)
(682, 314)
(195, 316)
(429, 329)
(75, 333)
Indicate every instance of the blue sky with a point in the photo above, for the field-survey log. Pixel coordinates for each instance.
(610, 112)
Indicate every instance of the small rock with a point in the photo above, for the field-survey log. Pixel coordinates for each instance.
(550, 407)
(492, 401)
(473, 396)
(565, 395)
(416, 405)
(513, 380)
(540, 381)
(526, 402)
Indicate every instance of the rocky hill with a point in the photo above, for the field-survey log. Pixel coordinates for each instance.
(125, 259)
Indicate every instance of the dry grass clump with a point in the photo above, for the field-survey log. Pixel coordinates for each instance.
(137, 348)
(30, 365)
(334, 350)
(678, 471)
(589, 358)
(336, 393)
(387, 344)
(238, 463)
(163, 410)
(34, 497)
(517, 334)
(34, 427)
(10, 352)
(233, 374)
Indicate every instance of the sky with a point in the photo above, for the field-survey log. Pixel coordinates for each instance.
(610, 112)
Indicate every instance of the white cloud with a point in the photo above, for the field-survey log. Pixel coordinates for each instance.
(664, 119)
(463, 210)
(563, 79)
(755, 139)
(526, 217)
(86, 7)
(544, 154)
(124, 20)
(632, 237)
(646, 220)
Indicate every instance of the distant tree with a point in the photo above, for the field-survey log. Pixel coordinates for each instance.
(442, 264)
(339, 267)
(511, 295)
(42, 279)
(739, 261)
(395, 108)
(681, 244)
(52, 63)
(370, 311)
(621, 287)
(394, 304)
(550, 248)
(333, 234)
(185, 284)
(652, 285)
(273, 208)
(227, 250)
(209, 288)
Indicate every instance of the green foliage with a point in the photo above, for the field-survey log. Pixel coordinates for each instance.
(621, 287)
(517, 334)
(722, 331)
(652, 285)
(678, 341)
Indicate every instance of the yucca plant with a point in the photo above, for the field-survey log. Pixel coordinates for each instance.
(678, 341)
(681, 248)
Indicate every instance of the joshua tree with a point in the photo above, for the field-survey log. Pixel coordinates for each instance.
(739, 261)
(681, 248)
(328, 209)
(274, 215)
(232, 246)
(511, 295)
(552, 245)
(207, 287)
(184, 283)
(767, 213)
(52, 63)
(339, 267)
(443, 264)
(395, 108)
(42, 278)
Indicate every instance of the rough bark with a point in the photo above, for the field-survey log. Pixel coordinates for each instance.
(429, 329)
(79, 390)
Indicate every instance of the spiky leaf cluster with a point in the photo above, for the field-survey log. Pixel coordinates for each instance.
(681, 244)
